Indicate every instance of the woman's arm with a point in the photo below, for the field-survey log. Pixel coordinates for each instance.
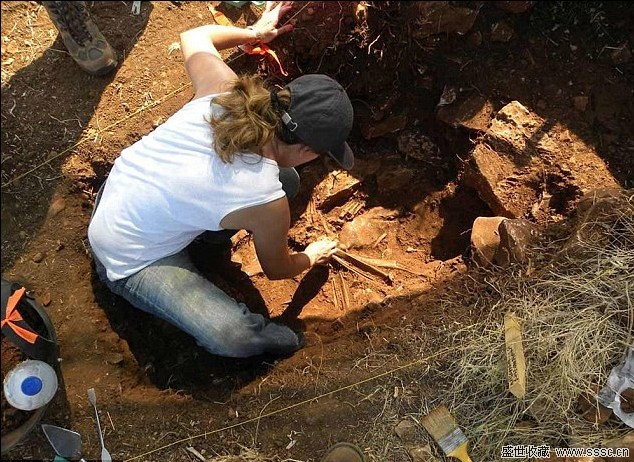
(269, 224)
(201, 46)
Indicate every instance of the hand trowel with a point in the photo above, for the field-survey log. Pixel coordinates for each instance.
(66, 443)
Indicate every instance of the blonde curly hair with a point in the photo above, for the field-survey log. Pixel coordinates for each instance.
(249, 119)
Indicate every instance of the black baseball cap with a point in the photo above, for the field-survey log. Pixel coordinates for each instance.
(321, 115)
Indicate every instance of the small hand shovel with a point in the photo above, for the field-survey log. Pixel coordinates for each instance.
(66, 443)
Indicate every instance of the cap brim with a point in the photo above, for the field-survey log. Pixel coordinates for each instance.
(344, 156)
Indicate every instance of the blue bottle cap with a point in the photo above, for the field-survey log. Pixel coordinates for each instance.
(31, 386)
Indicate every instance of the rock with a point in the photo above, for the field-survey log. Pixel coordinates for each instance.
(421, 454)
(622, 54)
(406, 431)
(501, 32)
(475, 113)
(627, 400)
(489, 173)
(57, 205)
(515, 238)
(336, 189)
(515, 6)
(597, 414)
(580, 103)
(38, 257)
(395, 179)
(485, 239)
(513, 130)
(521, 158)
(443, 18)
(392, 124)
(417, 146)
(591, 410)
(364, 231)
(45, 300)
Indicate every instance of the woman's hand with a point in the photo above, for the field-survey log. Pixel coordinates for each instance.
(319, 252)
(266, 27)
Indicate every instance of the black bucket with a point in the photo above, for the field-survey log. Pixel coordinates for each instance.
(44, 349)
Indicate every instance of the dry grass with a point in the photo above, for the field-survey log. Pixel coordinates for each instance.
(576, 316)
(246, 455)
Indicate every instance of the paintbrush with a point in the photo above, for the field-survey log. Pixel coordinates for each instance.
(441, 425)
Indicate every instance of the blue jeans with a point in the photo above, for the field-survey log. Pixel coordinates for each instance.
(174, 290)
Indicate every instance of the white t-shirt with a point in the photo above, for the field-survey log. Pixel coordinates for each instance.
(171, 186)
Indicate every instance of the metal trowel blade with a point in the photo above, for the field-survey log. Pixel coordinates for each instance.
(66, 443)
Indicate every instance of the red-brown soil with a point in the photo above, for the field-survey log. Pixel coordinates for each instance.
(62, 129)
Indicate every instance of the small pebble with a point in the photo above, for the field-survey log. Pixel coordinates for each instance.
(45, 300)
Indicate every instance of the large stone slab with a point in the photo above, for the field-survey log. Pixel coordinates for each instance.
(475, 113)
(499, 182)
(524, 162)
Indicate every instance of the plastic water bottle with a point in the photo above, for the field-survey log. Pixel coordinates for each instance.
(30, 385)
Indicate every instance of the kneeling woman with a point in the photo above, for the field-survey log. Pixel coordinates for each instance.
(223, 162)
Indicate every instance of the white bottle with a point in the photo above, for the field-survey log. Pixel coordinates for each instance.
(30, 385)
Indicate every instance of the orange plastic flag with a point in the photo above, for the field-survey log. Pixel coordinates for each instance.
(263, 49)
(13, 316)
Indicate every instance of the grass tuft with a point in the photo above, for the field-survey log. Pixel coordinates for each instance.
(576, 315)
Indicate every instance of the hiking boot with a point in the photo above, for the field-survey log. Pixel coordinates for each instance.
(344, 452)
(88, 47)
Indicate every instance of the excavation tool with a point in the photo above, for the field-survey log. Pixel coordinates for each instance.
(66, 443)
(441, 425)
(105, 455)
